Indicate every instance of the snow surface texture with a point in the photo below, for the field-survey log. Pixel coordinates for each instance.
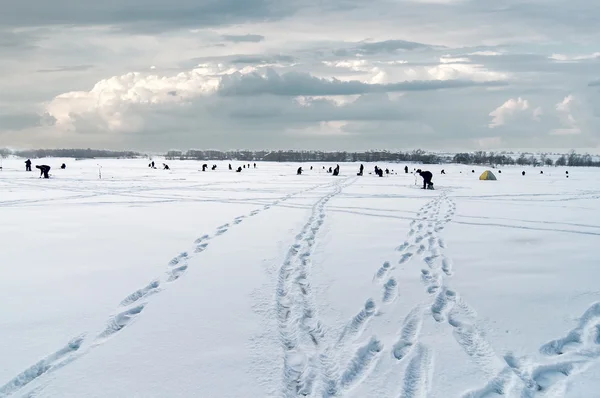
(183, 283)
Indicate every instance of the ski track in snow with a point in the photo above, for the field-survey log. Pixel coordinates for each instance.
(133, 305)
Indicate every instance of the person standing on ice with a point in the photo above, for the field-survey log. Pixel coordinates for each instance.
(406, 169)
(44, 170)
(28, 165)
(427, 176)
(360, 170)
(299, 171)
(336, 171)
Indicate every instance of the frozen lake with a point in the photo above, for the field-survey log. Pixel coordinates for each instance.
(183, 283)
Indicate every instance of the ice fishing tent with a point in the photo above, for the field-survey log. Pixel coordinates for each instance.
(487, 175)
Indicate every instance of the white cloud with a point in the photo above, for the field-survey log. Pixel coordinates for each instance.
(537, 113)
(507, 110)
(574, 58)
(570, 126)
(486, 53)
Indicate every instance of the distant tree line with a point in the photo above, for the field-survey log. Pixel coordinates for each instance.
(573, 159)
(70, 153)
(417, 156)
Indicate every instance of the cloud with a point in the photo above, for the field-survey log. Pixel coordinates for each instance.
(263, 60)
(570, 126)
(109, 103)
(148, 16)
(294, 84)
(74, 68)
(384, 47)
(299, 73)
(507, 110)
(574, 58)
(243, 38)
(537, 113)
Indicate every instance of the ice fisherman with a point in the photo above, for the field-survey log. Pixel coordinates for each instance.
(361, 170)
(204, 167)
(427, 176)
(299, 171)
(406, 169)
(239, 170)
(28, 165)
(63, 166)
(44, 170)
(336, 171)
(166, 166)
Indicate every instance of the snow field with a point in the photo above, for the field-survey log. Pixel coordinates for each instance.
(263, 283)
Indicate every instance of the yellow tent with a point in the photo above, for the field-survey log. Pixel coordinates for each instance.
(487, 175)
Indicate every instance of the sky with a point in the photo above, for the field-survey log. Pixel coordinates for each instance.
(157, 75)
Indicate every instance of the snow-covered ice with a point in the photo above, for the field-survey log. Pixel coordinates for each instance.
(183, 283)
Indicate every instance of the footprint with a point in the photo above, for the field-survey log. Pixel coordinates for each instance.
(411, 327)
(361, 363)
(178, 259)
(153, 287)
(447, 266)
(417, 378)
(355, 327)
(430, 260)
(582, 335)
(443, 303)
(390, 291)
(119, 321)
(202, 239)
(254, 212)
(201, 247)
(383, 270)
(176, 273)
(403, 247)
(405, 257)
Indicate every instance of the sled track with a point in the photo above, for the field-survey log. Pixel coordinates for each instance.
(133, 305)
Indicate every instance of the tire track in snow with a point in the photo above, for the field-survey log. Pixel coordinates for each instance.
(130, 307)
